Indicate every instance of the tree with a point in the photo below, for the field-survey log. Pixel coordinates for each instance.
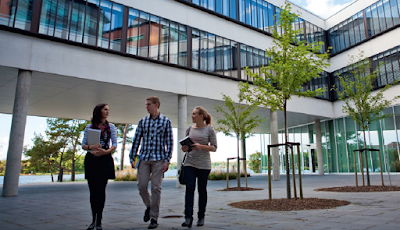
(239, 120)
(67, 131)
(44, 153)
(255, 162)
(122, 132)
(360, 103)
(294, 63)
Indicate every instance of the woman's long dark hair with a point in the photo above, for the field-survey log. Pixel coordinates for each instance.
(96, 119)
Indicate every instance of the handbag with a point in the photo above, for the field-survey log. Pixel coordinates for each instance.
(181, 172)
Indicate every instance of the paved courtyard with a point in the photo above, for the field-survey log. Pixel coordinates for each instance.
(66, 206)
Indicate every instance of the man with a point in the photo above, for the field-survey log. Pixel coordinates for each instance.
(155, 154)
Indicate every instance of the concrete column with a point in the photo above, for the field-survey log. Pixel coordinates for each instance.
(182, 125)
(318, 141)
(274, 140)
(16, 142)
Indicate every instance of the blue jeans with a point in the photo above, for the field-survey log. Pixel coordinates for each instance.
(191, 174)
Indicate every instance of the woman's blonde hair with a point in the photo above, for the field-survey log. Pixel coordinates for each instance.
(206, 116)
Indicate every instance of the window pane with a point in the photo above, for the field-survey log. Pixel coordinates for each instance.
(370, 23)
(105, 24)
(341, 145)
(265, 11)
(197, 2)
(381, 16)
(346, 34)
(242, 10)
(357, 37)
(233, 9)
(173, 43)
(154, 37)
(77, 22)
(388, 15)
(388, 67)
(227, 57)
(116, 27)
(351, 32)
(143, 43)
(164, 44)
(248, 12)
(361, 25)
(234, 48)
(390, 140)
(225, 7)
(203, 52)
(395, 64)
(182, 45)
(375, 20)
(219, 55)
(271, 16)
(211, 52)
(24, 15)
(218, 6)
(254, 20)
(47, 17)
(91, 22)
(133, 32)
(211, 4)
(341, 37)
(195, 48)
(62, 19)
(243, 60)
(250, 59)
(204, 3)
(260, 15)
(394, 11)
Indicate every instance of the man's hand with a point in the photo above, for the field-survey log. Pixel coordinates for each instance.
(165, 167)
(133, 164)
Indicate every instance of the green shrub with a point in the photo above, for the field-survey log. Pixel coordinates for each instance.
(255, 162)
(221, 175)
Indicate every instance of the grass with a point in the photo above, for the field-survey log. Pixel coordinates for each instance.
(218, 174)
(127, 174)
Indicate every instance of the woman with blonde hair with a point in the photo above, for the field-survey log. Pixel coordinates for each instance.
(198, 163)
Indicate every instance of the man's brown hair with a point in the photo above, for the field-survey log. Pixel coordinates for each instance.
(154, 100)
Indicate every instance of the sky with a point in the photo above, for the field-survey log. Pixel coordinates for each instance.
(323, 8)
(226, 145)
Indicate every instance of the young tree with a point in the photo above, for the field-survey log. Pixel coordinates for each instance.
(255, 162)
(122, 132)
(239, 120)
(360, 102)
(293, 64)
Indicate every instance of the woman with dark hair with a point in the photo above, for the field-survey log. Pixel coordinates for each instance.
(198, 163)
(99, 164)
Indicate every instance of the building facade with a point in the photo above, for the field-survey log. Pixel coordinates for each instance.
(188, 52)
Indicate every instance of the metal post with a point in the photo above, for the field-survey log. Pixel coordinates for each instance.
(269, 173)
(386, 165)
(227, 173)
(294, 174)
(362, 167)
(245, 170)
(298, 159)
(355, 167)
(380, 164)
(366, 162)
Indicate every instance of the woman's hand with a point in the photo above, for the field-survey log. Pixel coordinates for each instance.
(99, 152)
(95, 147)
(197, 146)
(185, 148)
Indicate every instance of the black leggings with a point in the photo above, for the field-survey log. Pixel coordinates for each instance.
(97, 188)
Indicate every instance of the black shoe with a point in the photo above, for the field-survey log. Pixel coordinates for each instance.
(153, 224)
(200, 222)
(91, 226)
(98, 227)
(188, 222)
(146, 215)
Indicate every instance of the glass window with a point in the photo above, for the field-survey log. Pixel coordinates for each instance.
(395, 64)
(211, 4)
(260, 15)
(204, 3)
(225, 8)
(132, 32)
(256, 61)
(375, 136)
(195, 48)
(218, 6)
(361, 24)
(388, 15)
(271, 16)
(341, 145)
(23, 17)
(234, 48)
(91, 22)
(154, 46)
(375, 20)
(248, 12)
(116, 27)
(7, 11)
(388, 67)
(277, 24)
(105, 24)
(381, 16)
(341, 37)
(183, 45)
(173, 42)
(265, 12)
(47, 17)
(254, 19)
(211, 52)
(382, 70)
(203, 51)
(77, 22)
(351, 139)
(390, 141)
(143, 44)
(164, 37)
(357, 36)
(197, 2)
(62, 19)
(242, 10)
(346, 34)
(397, 120)
(250, 60)
(394, 11)
(243, 60)
(370, 23)
(227, 57)
(232, 11)
(351, 31)
(219, 57)
(332, 40)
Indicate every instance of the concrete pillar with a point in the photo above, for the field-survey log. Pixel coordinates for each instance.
(274, 140)
(16, 142)
(182, 125)
(318, 141)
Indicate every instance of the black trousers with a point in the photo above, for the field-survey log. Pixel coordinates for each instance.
(97, 188)
(191, 174)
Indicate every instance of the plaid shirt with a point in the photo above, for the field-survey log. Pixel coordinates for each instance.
(157, 139)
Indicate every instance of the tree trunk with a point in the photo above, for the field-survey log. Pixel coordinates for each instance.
(123, 147)
(73, 162)
(238, 163)
(51, 174)
(60, 172)
(286, 156)
(243, 155)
